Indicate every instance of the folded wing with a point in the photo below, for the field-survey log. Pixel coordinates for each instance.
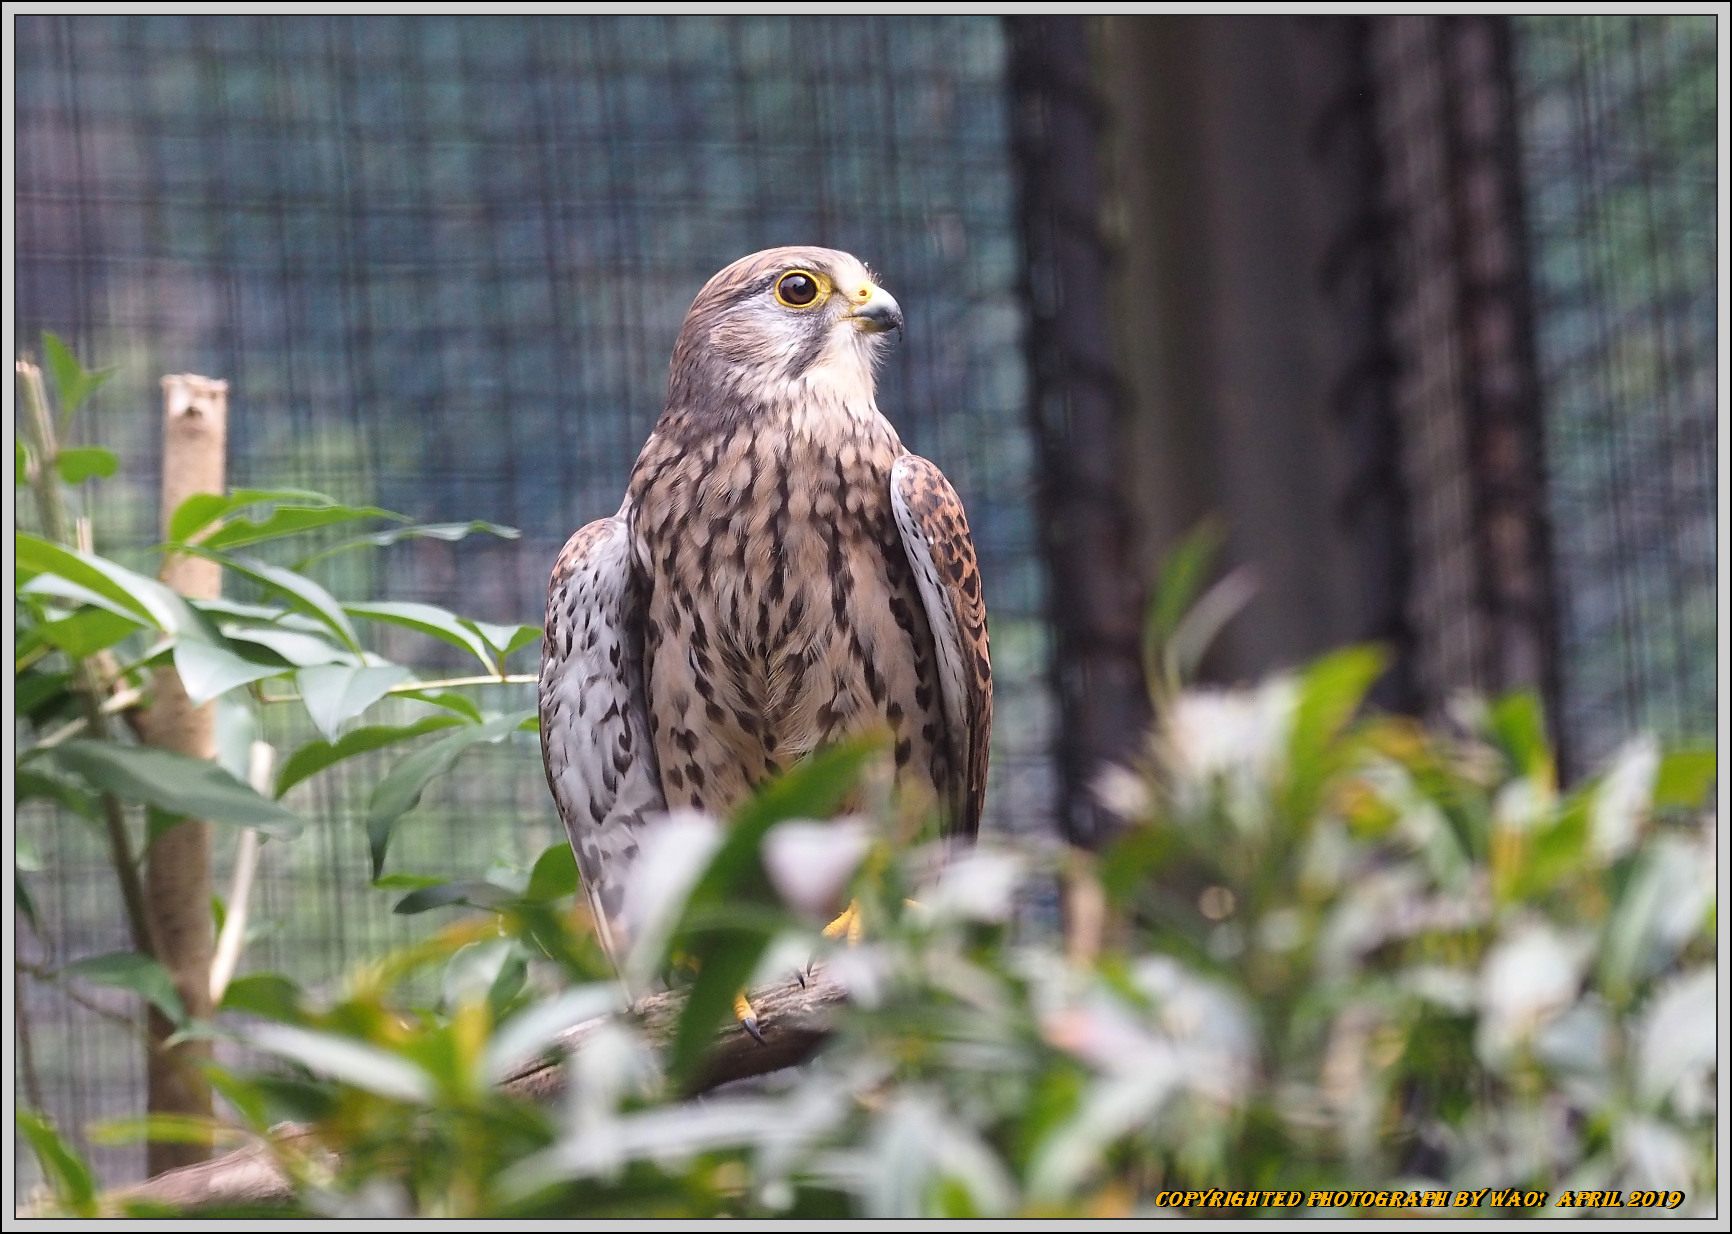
(935, 535)
(595, 733)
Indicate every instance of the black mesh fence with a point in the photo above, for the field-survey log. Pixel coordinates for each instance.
(441, 263)
(1619, 134)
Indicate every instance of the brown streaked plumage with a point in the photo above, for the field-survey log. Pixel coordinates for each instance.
(782, 573)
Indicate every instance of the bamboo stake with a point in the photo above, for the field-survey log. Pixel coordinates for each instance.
(178, 877)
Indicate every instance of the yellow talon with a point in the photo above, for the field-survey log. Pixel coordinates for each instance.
(747, 1015)
(847, 925)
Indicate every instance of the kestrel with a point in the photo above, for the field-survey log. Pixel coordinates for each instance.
(782, 573)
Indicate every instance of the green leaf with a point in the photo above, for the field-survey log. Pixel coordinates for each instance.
(350, 1062)
(72, 381)
(127, 970)
(89, 631)
(400, 790)
(162, 1129)
(196, 513)
(1183, 570)
(296, 648)
(61, 1165)
(315, 756)
(451, 700)
(1331, 690)
(301, 591)
(270, 996)
(175, 784)
(1518, 723)
(474, 892)
(726, 943)
(148, 599)
(504, 639)
(428, 619)
(30, 784)
(22, 900)
(22, 474)
(448, 532)
(554, 876)
(80, 463)
(1684, 778)
(202, 509)
(334, 692)
(207, 670)
(283, 521)
(40, 695)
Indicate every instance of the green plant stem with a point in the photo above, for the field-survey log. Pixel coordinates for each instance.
(51, 504)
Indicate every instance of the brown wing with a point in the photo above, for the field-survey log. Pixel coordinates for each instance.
(935, 534)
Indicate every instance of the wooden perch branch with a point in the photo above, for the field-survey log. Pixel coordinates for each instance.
(794, 1020)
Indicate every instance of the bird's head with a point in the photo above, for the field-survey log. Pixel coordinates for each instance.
(783, 325)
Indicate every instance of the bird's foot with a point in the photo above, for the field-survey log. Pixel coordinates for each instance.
(848, 925)
(747, 1015)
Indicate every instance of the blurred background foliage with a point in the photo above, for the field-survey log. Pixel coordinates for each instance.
(441, 263)
(1329, 951)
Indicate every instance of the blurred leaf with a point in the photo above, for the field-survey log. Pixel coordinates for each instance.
(296, 648)
(428, 619)
(451, 700)
(36, 689)
(1664, 904)
(347, 1061)
(504, 639)
(72, 381)
(269, 995)
(333, 693)
(1331, 690)
(243, 1095)
(1183, 570)
(28, 784)
(433, 531)
(61, 1165)
(202, 509)
(80, 463)
(148, 599)
(22, 899)
(164, 1129)
(176, 784)
(1678, 1036)
(196, 513)
(21, 474)
(555, 874)
(207, 670)
(127, 970)
(301, 591)
(1518, 723)
(726, 943)
(398, 792)
(528, 1035)
(1197, 630)
(1684, 778)
(472, 892)
(284, 520)
(89, 631)
(315, 756)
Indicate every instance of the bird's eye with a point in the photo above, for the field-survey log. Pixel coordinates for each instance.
(797, 289)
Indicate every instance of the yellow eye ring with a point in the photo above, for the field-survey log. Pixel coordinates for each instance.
(801, 289)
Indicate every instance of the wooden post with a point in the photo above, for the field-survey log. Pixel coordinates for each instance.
(178, 879)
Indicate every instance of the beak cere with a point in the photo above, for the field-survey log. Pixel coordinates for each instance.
(878, 312)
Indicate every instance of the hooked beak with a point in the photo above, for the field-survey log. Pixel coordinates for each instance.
(878, 312)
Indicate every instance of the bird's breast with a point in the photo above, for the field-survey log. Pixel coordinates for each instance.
(781, 613)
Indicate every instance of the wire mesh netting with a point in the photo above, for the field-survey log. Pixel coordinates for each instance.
(441, 263)
(1619, 135)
